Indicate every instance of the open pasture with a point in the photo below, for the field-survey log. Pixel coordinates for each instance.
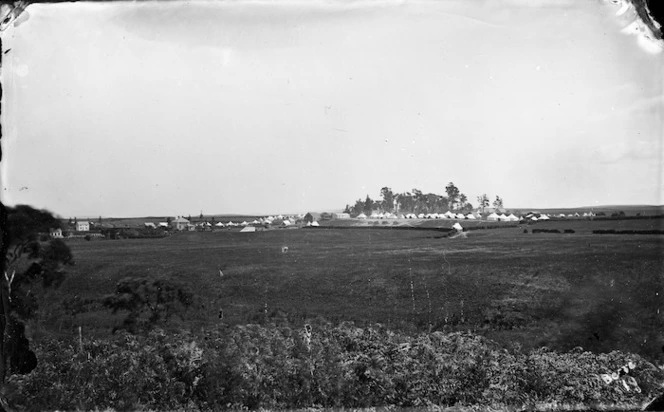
(598, 292)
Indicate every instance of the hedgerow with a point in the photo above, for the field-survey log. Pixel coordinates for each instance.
(272, 367)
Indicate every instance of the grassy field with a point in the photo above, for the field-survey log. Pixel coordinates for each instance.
(600, 292)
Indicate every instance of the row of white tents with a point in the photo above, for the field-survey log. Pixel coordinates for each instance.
(446, 215)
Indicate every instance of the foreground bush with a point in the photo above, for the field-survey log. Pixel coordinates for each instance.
(255, 366)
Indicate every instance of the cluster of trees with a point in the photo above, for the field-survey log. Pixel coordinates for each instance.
(32, 265)
(418, 202)
(29, 267)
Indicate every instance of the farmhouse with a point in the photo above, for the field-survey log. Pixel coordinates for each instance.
(82, 226)
(180, 223)
(55, 233)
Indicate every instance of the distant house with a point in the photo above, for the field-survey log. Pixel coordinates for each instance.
(82, 226)
(180, 223)
(341, 215)
(55, 233)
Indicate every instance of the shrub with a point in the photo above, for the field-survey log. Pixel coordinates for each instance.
(271, 367)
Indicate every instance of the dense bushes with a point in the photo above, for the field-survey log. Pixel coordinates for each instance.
(255, 366)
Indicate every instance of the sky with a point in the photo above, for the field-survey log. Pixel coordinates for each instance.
(264, 107)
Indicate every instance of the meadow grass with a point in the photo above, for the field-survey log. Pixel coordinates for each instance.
(522, 290)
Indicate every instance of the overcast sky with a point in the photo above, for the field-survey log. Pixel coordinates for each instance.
(170, 108)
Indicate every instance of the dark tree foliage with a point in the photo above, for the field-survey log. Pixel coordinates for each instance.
(147, 301)
(29, 265)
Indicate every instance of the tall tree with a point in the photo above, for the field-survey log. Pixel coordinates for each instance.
(452, 195)
(358, 208)
(388, 199)
(28, 266)
(368, 206)
(483, 202)
(418, 199)
(498, 203)
(347, 209)
(462, 201)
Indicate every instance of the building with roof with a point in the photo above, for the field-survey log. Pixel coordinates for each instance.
(82, 226)
(180, 223)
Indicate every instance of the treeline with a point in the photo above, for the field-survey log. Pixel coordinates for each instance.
(418, 202)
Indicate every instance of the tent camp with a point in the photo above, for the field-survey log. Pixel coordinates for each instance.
(457, 227)
(361, 216)
(248, 229)
(493, 217)
(470, 216)
(543, 217)
(502, 217)
(512, 218)
(534, 218)
(314, 224)
(449, 215)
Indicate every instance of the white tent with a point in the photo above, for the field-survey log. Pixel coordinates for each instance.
(219, 224)
(402, 217)
(230, 223)
(457, 227)
(248, 229)
(244, 223)
(544, 217)
(449, 214)
(308, 223)
(361, 216)
(534, 219)
(420, 216)
(512, 218)
(314, 224)
(470, 216)
(460, 216)
(502, 217)
(492, 217)
(374, 215)
(287, 223)
(381, 216)
(561, 215)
